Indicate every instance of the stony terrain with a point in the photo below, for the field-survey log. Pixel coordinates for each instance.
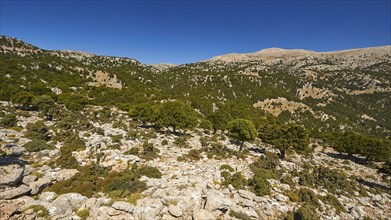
(186, 190)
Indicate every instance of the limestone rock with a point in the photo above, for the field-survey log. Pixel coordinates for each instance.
(47, 196)
(66, 203)
(10, 175)
(123, 206)
(202, 214)
(15, 192)
(148, 208)
(281, 198)
(28, 179)
(216, 200)
(39, 185)
(247, 194)
(175, 210)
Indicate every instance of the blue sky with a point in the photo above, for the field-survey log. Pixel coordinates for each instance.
(189, 31)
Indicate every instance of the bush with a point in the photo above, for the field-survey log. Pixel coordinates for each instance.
(306, 212)
(181, 142)
(37, 145)
(83, 213)
(87, 182)
(259, 185)
(116, 138)
(151, 172)
(149, 152)
(164, 142)
(74, 144)
(132, 151)
(122, 184)
(308, 196)
(239, 215)
(66, 159)
(37, 130)
(9, 120)
(40, 211)
(227, 167)
(333, 201)
(192, 155)
(237, 180)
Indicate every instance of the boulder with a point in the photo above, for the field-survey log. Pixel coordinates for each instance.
(66, 204)
(281, 198)
(175, 210)
(11, 175)
(47, 196)
(15, 192)
(39, 185)
(247, 194)
(123, 206)
(202, 214)
(7, 209)
(28, 179)
(216, 200)
(148, 208)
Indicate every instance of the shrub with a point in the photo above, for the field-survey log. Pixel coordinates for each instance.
(259, 185)
(37, 145)
(74, 144)
(149, 152)
(333, 201)
(87, 182)
(40, 210)
(83, 213)
(132, 198)
(193, 154)
(237, 180)
(227, 167)
(181, 142)
(37, 130)
(116, 138)
(239, 215)
(287, 180)
(309, 197)
(164, 142)
(122, 184)
(306, 212)
(334, 181)
(9, 120)
(151, 172)
(132, 151)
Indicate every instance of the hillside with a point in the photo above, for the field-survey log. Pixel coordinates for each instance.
(84, 136)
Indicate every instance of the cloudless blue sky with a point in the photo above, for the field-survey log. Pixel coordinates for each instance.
(189, 31)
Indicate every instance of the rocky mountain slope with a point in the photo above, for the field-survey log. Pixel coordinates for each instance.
(80, 137)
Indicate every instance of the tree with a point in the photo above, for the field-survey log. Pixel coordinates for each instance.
(44, 103)
(177, 114)
(286, 136)
(242, 130)
(145, 112)
(206, 125)
(23, 99)
(219, 120)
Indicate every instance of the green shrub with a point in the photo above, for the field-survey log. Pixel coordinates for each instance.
(308, 196)
(40, 211)
(132, 198)
(151, 172)
(37, 145)
(192, 155)
(9, 120)
(292, 196)
(74, 144)
(122, 184)
(239, 215)
(83, 213)
(334, 181)
(149, 152)
(116, 138)
(181, 142)
(164, 142)
(132, 151)
(287, 180)
(227, 167)
(333, 201)
(259, 185)
(87, 182)
(306, 212)
(37, 130)
(237, 180)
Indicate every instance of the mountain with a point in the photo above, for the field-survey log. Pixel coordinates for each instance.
(347, 89)
(275, 134)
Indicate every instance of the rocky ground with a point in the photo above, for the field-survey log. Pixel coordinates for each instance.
(188, 189)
